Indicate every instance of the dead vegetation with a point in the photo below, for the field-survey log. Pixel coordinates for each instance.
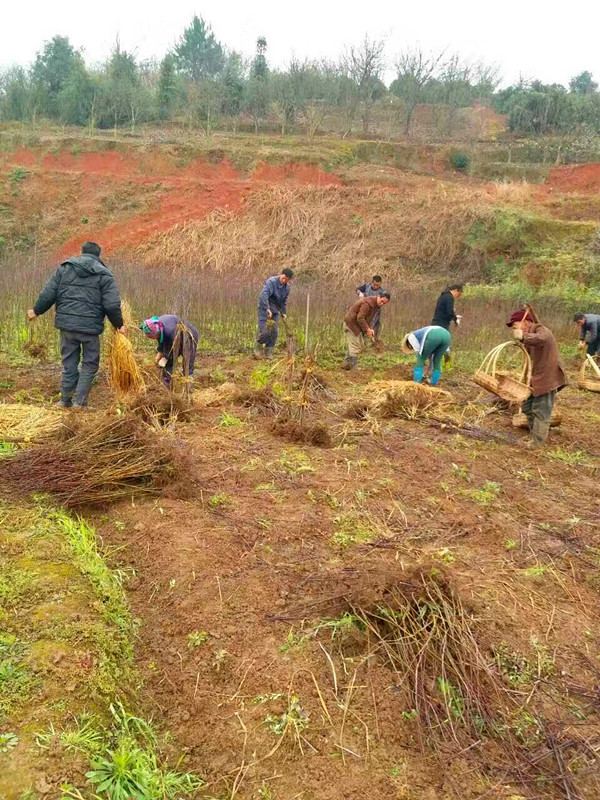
(332, 230)
(388, 399)
(98, 461)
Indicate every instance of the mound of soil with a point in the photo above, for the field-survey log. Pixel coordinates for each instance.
(581, 178)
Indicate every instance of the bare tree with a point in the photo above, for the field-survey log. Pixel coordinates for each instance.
(364, 66)
(415, 69)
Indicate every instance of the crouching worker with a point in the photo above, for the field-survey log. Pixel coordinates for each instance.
(272, 302)
(589, 333)
(547, 374)
(175, 338)
(431, 342)
(358, 323)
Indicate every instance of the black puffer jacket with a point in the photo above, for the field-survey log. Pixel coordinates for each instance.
(84, 291)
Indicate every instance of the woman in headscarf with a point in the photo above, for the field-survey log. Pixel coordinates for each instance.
(431, 342)
(175, 337)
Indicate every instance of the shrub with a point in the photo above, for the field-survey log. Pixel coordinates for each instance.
(460, 160)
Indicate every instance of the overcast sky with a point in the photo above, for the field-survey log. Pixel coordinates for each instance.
(535, 38)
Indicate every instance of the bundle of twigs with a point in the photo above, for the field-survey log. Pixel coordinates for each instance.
(23, 423)
(97, 463)
(398, 399)
(124, 374)
(425, 636)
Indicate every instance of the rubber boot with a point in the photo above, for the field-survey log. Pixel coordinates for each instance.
(258, 351)
(418, 374)
(539, 432)
(350, 362)
(269, 353)
(435, 377)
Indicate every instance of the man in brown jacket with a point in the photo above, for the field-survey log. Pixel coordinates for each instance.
(547, 375)
(358, 324)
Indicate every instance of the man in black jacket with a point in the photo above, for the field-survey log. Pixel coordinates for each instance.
(444, 312)
(84, 291)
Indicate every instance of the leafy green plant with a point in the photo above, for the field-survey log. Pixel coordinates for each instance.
(537, 571)
(17, 175)
(295, 462)
(227, 420)
(510, 544)
(220, 659)
(446, 555)
(351, 530)
(452, 698)
(8, 741)
(485, 495)
(293, 717)
(196, 639)
(218, 500)
(87, 736)
(574, 458)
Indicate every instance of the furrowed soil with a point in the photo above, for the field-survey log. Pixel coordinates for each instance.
(242, 571)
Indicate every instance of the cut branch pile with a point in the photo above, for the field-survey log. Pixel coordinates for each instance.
(98, 462)
(24, 424)
(398, 399)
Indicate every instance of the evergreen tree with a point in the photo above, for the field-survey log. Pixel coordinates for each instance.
(583, 83)
(167, 87)
(198, 54)
(260, 67)
(51, 71)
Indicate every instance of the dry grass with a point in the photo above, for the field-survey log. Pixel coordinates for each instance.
(333, 230)
(124, 374)
(100, 460)
(398, 399)
(23, 423)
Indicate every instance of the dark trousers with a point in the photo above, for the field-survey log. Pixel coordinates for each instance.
(538, 411)
(74, 348)
(268, 330)
(593, 347)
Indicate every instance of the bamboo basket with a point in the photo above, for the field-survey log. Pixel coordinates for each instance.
(591, 384)
(503, 384)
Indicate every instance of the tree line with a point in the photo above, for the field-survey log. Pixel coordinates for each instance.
(201, 83)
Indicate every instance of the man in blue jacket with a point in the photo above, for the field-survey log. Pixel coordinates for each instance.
(589, 333)
(84, 291)
(272, 303)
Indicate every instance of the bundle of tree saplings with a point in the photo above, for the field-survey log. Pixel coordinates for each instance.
(97, 462)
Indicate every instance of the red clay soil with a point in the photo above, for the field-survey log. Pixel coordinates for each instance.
(581, 178)
(189, 193)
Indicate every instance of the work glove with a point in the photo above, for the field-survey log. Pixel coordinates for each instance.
(517, 334)
(458, 319)
(581, 345)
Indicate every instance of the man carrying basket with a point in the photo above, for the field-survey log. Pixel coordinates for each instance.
(547, 374)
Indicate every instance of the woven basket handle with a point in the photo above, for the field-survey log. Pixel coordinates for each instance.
(589, 361)
(490, 362)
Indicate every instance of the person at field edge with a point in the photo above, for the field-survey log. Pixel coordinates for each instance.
(358, 323)
(164, 330)
(373, 288)
(84, 292)
(429, 343)
(547, 374)
(272, 303)
(589, 333)
(444, 312)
